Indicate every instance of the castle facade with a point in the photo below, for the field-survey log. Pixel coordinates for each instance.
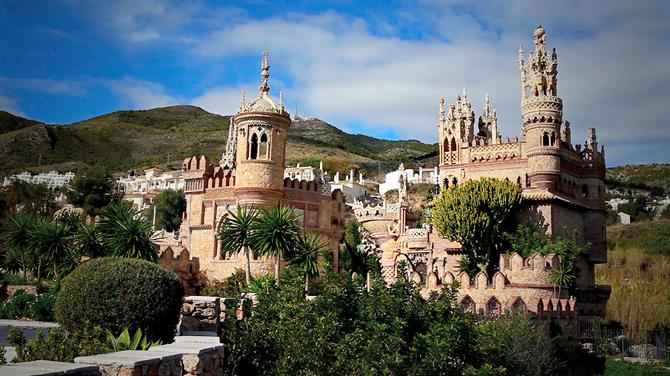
(563, 188)
(250, 173)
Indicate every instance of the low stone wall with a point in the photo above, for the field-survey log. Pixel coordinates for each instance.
(8, 291)
(187, 355)
(200, 314)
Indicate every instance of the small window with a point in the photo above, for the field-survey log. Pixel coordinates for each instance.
(263, 148)
(253, 147)
(545, 139)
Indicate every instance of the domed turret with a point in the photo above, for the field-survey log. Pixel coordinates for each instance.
(261, 127)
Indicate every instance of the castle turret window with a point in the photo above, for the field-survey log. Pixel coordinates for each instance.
(263, 152)
(253, 147)
(545, 139)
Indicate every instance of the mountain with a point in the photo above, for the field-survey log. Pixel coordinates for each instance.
(653, 177)
(125, 140)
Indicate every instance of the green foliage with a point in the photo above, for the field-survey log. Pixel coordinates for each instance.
(3, 355)
(614, 367)
(125, 342)
(519, 344)
(235, 235)
(89, 241)
(35, 307)
(127, 233)
(92, 189)
(262, 283)
(30, 198)
(116, 293)
(636, 208)
(306, 255)
(275, 234)
(231, 287)
(170, 206)
(653, 238)
(353, 258)
(51, 241)
(349, 331)
(59, 345)
(475, 214)
(526, 240)
(15, 242)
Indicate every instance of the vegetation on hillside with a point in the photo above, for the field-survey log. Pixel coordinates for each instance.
(125, 140)
(654, 177)
(638, 269)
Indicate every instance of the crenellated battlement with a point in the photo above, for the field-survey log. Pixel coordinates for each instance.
(304, 185)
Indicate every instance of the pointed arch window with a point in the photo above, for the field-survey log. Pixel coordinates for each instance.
(553, 138)
(263, 148)
(253, 147)
(545, 139)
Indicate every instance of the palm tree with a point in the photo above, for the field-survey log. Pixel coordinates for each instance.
(88, 241)
(51, 240)
(306, 257)
(235, 235)
(16, 238)
(562, 275)
(126, 232)
(275, 234)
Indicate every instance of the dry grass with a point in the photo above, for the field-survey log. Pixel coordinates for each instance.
(640, 283)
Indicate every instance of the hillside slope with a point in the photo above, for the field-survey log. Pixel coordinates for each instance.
(641, 176)
(126, 140)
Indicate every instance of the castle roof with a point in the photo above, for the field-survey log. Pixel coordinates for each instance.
(264, 102)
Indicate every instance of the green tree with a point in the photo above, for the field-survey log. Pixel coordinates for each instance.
(16, 239)
(526, 240)
(306, 258)
(30, 198)
(475, 214)
(170, 206)
(92, 189)
(275, 234)
(89, 241)
(52, 241)
(127, 233)
(235, 235)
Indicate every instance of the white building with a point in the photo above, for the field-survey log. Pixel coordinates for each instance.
(352, 189)
(140, 190)
(310, 173)
(424, 175)
(51, 179)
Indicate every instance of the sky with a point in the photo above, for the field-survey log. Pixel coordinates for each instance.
(370, 67)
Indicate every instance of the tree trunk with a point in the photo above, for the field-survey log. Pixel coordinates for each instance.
(23, 266)
(306, 284)
(247, 269)
(39, 271)
(277, 269)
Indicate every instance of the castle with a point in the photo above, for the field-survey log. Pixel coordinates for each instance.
(563, 189)
(250, 173)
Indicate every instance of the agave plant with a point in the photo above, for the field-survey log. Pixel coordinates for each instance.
(125, 342)
(50, 240)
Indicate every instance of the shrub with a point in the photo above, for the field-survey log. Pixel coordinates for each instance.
(58, 345)
(118, 293)
(23, 305)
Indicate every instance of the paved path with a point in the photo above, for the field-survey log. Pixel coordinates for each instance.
(29, 328)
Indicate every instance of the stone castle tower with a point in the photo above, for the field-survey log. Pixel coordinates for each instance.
(542, 113)
(260, 146)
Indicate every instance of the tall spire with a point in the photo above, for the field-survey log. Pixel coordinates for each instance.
(265, 74)
(281, 100)
(443, 116)
(243, 103)
(487, 106)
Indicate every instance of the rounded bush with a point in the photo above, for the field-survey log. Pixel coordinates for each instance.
(118, 293)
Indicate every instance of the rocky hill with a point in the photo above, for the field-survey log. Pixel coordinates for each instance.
(125, 140)
(654, 177)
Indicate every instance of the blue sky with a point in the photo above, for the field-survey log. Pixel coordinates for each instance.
(376, 68)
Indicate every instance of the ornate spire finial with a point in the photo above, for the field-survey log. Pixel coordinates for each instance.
(281, 99)
(443, 117)
(265, 74)
(487, 107)
(243, 103)
(465, 94)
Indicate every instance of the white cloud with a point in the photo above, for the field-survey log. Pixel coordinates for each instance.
(614, 66)
(10, 105)
(43, 85)
(140, 94)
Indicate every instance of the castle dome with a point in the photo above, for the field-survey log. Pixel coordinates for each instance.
(264, 102)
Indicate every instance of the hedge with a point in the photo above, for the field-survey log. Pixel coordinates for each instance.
(118, 293)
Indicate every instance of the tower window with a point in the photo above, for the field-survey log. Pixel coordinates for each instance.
(263, 148)
(553, 138)
(545, 139)
(253, 147)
